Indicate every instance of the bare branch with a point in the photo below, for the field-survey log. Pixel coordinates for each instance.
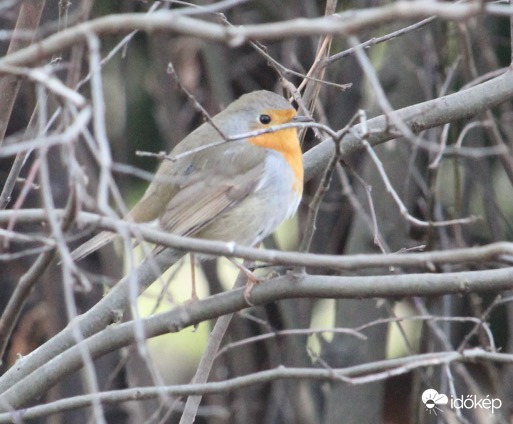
(343, 24)
(378, 370)
(495, 251)
(419, 117)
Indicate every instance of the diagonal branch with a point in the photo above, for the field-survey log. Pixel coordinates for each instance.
(418, 117)
(20, 390)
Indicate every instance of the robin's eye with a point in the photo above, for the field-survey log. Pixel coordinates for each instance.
(264, 119)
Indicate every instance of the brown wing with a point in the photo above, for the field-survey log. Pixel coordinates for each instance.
(217, 166)
(199, 203)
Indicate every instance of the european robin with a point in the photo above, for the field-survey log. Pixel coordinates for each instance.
(235, 190)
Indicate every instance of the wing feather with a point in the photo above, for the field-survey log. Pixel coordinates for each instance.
(195, 205)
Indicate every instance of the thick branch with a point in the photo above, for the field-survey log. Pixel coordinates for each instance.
(388, 367)
(343, 24)
(291, 286)
(419, 117)
(105, 312)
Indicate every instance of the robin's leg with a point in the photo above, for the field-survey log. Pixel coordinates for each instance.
(194, 294)
(252, 279)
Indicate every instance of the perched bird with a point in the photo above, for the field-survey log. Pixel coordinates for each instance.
(231, 190)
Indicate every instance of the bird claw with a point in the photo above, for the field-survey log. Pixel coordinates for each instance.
(253, 280)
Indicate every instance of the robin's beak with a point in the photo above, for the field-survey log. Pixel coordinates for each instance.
(302, 118)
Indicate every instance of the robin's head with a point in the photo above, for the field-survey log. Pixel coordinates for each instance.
(260, 110)
(256, 110)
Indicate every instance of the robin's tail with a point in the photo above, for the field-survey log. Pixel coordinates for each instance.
(93, 245)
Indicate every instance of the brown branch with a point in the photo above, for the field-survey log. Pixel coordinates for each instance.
(385, 367)
(18, 390)
(342, 24)
(28, 19)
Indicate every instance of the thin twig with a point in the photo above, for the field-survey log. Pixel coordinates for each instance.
(11, 313)
(291, 332)
(171, 71)
(241, 136)
(208, 357)
(402, 208)
(370, 221)
(314, 205)
(377, 40)
(69, 134)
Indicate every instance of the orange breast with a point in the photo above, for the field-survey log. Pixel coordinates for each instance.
(285, 142)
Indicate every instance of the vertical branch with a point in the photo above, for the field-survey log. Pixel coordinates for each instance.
(313, 207)
(10, 182)
(99, 120)
(312, 83)
(208, 357)
(67, 267)
(67, 281)
(511, 31)
(28, 20)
